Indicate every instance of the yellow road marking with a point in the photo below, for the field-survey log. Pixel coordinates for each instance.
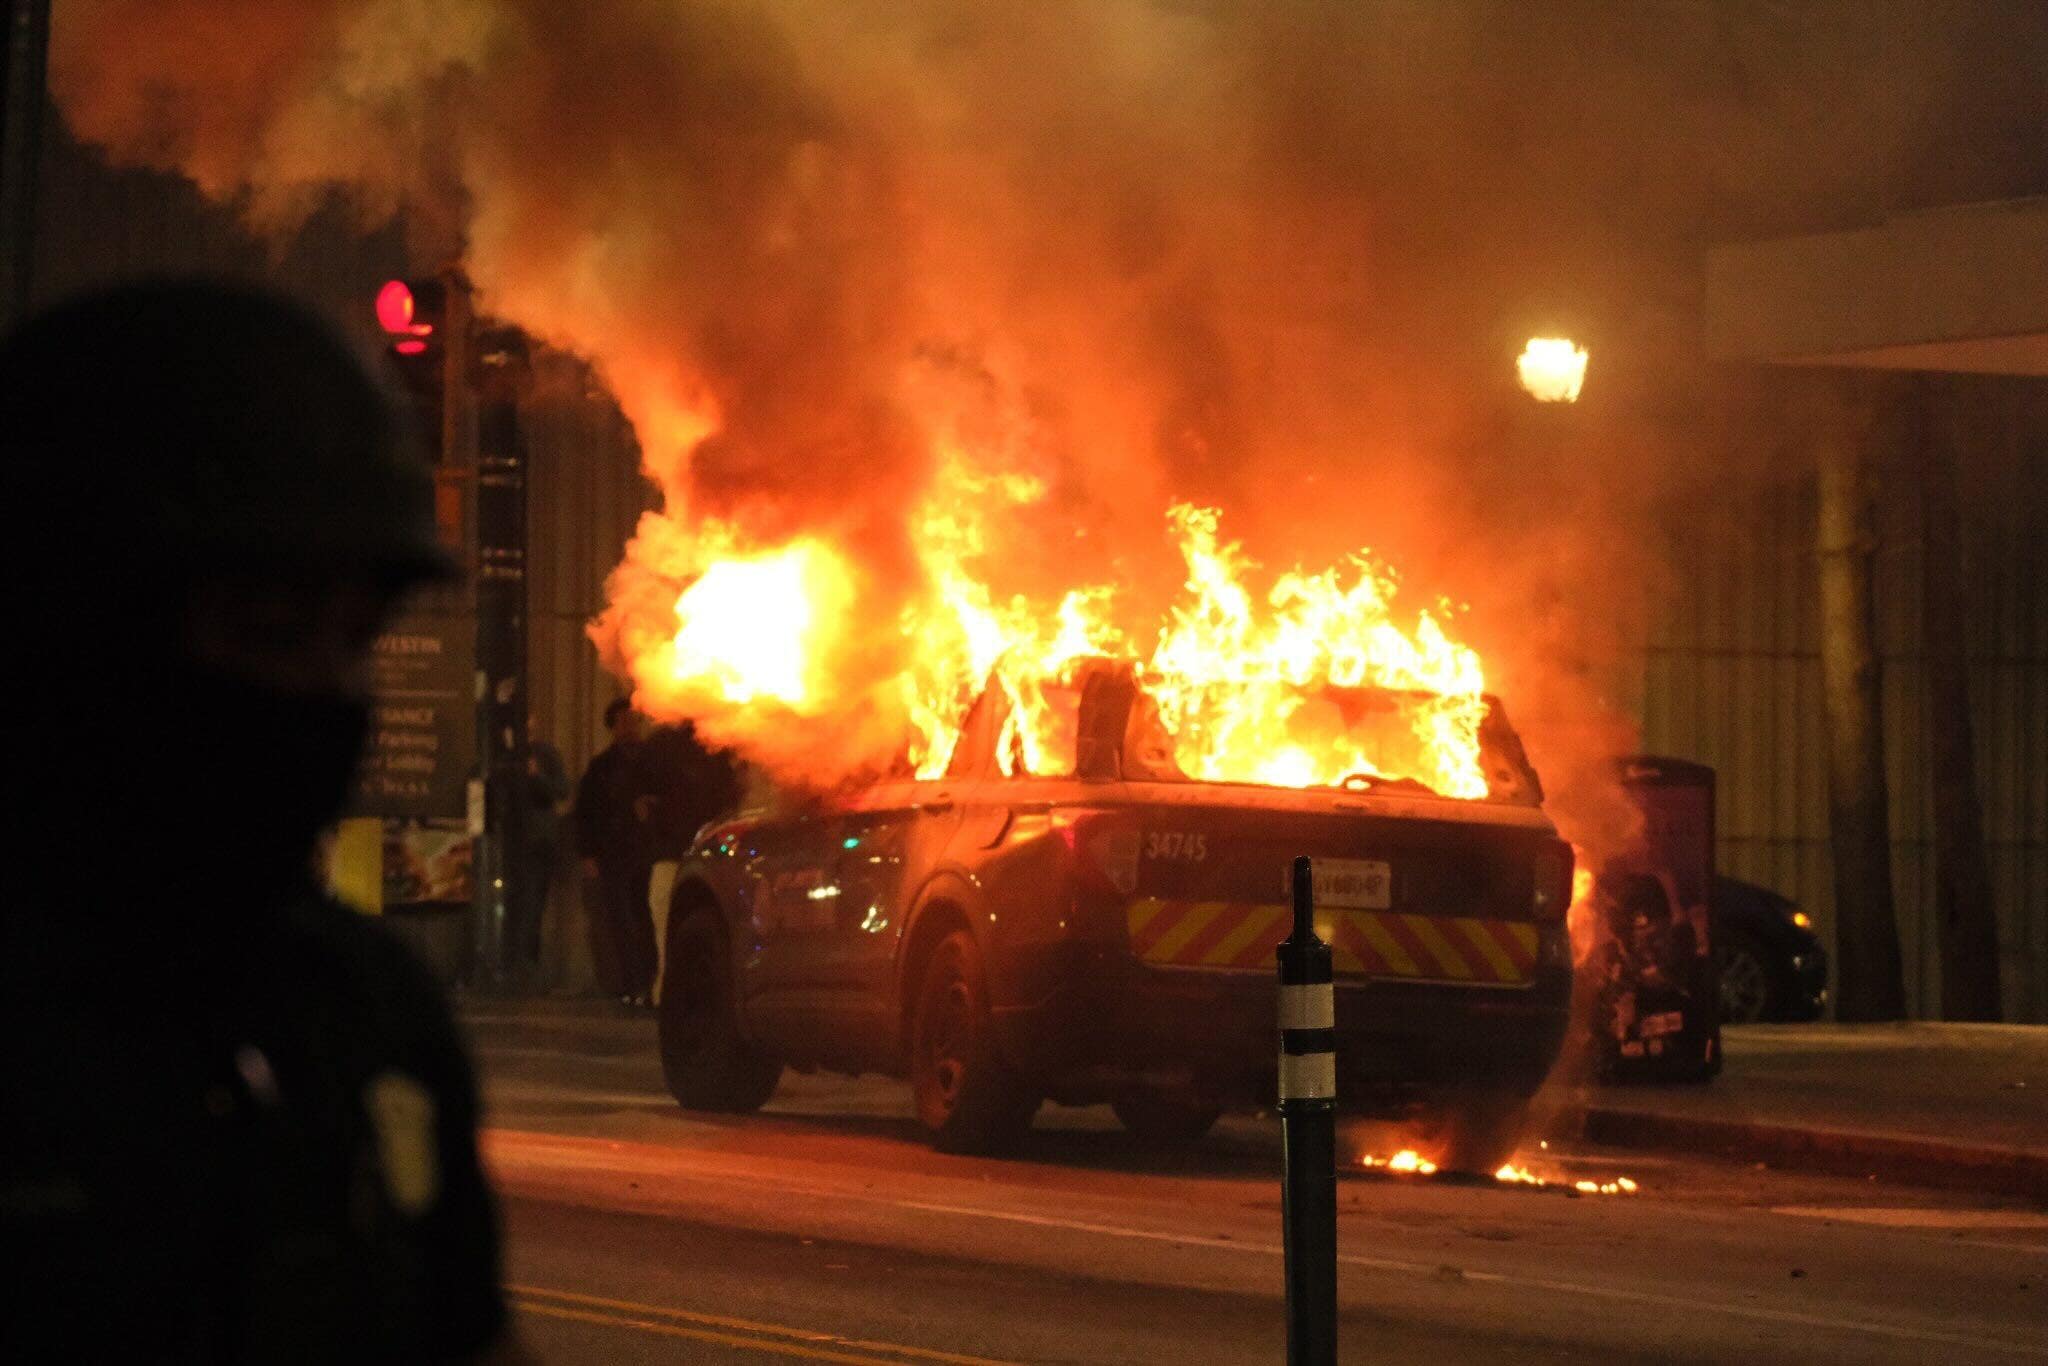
(1479, 937)
(1447, 955)
(788, 1349)
(814, 1345)
(1256, 922)
(1388, 947)
(1192, 922)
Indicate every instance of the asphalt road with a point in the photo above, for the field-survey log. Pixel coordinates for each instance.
(824, 1230)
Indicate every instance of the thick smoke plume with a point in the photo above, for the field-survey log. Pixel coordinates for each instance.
(1274, 258)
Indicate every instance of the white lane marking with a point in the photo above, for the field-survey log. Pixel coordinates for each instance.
(1646, 1298)
(530, 1093)
(647, 1058)
(620, 1161)
(567, 1024)
(1919, 1218)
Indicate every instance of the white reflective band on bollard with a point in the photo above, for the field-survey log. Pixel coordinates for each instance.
(1310, 1007)
(1308, 1076)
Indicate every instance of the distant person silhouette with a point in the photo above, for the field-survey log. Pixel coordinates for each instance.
(535, 852)
(238, 1120)
(613, 813)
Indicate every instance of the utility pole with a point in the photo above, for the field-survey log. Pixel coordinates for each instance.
(499, 363)
(1966, 922)
(24, 59)
(1871, 978)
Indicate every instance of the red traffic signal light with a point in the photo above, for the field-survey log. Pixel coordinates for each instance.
(395, 307)
(411, 311)
(415, 317)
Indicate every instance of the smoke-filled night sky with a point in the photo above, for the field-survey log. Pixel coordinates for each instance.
(1272, 257)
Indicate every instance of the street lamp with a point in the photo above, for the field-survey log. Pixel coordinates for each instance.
(1553, 369)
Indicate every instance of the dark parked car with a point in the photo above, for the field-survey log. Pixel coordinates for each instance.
(1771, 963)
(1107, 934)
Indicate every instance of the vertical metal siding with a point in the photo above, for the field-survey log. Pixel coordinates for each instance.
(1732, 678)
(585, 497)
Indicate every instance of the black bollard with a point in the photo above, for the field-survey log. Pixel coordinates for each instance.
(1308, 1132)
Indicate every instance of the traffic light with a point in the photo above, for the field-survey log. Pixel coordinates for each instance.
(414, 312)
(415, 315)
(425, 320)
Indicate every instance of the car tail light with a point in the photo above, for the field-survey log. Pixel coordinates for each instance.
(1105, 849)
(1553, 893)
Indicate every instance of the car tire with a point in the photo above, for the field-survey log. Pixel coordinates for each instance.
(968, 1099)
(1748, 985)
(1164, 1120)
(708, 1064)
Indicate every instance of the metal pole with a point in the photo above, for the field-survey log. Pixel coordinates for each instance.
(1870, 973)
(497, 366)
(1308, 1132)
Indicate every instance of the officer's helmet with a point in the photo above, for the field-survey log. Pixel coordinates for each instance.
(182, 424)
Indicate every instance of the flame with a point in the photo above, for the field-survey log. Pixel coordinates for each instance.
(748, 626)
(1407, 1161)
(1552, 369)
(1512, 1174)
(752, 629)
(1247, 679)
(963, 637)
(1582, 922)
(1237, 685)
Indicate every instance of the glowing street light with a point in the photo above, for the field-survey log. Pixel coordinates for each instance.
(1552, 369)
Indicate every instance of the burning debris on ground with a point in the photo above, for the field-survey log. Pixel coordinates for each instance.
(1407, 1162)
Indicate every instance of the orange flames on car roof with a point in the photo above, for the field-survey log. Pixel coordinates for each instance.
(1240, 668)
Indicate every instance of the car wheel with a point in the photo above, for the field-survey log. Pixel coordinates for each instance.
(1747, 992)
(1162, 1119)
(968, 1100)
(708, 1064)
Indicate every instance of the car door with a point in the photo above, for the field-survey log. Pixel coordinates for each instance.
(790, 918)
(887, 846)
(890, 842)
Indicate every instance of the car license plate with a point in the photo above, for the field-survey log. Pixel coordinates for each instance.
(1354, 884)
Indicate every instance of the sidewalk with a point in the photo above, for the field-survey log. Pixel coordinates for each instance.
(1939, 1104)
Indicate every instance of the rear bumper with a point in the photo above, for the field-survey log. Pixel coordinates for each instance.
(1109, 1023)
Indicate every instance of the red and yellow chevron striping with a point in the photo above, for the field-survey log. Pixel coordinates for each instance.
(1242, 934)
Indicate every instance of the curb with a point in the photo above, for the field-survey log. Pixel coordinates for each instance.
(1834, 1152)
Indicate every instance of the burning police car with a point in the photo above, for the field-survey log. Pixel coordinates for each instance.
(1004, 937)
